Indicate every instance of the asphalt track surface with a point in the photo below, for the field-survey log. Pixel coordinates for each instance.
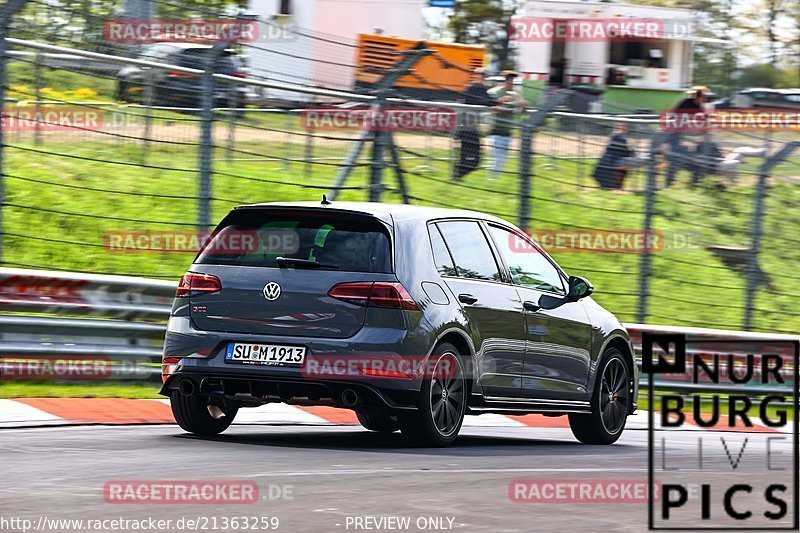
(336, 475)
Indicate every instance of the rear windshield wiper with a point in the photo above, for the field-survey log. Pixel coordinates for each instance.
(302, 263)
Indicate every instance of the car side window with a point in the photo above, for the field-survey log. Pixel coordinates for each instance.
(528, 266)
(441, 256)
(155, 53)
(470, 250)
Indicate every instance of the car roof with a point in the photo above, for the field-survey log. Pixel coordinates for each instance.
(774, 91)
(183, 45)
(383, 211)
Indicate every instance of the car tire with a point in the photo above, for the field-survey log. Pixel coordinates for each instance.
(611, 402)
(442, 401)
(380, 422)
(195, 415)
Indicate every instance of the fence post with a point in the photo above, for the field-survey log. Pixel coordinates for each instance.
(533, 121)
(376, 167)
(646, 264)
(525, 141)
(37, 76)
(309, 151)
(206, 138)
(287, 147)
(147, 104)
(7, 11)
(753, 270)
(233, 102)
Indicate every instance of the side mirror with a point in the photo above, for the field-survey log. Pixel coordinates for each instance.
(579, 288)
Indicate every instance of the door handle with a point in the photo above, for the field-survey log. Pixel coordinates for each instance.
(465, 298)
(531, 306)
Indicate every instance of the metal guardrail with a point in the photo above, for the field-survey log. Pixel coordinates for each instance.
(114, 320)
(65, 61)
(122, 320)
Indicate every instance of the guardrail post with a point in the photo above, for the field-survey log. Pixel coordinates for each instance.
(206, 139)
(7, 10)
(753, 270)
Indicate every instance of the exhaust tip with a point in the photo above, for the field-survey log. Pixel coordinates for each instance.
(349, 397)
(186, 387)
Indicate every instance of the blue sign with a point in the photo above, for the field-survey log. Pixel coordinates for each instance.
(450, 4)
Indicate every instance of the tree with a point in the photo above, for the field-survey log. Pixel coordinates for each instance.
(486, 22)
(762, 75)
(794, 41)
(716, 62)
(80, 22)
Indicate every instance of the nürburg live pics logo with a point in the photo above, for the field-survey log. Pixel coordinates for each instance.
(722, 432)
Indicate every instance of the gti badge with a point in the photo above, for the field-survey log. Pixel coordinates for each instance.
(272, 291)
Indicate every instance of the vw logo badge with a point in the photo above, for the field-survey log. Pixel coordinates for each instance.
(272, 291)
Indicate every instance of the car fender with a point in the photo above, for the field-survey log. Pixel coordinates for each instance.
(619, 334)
(458, 329)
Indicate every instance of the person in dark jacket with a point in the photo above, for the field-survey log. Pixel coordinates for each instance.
(707, 158)
(610, 172)
(467, 133)
(679, 155)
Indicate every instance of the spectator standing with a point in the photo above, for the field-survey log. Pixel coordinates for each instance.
(679, 155)
(508, 102)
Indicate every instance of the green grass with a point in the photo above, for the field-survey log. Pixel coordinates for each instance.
(22, 74)
(689, 286)
(32, 389)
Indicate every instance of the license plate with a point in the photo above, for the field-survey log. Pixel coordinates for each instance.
(265, 354)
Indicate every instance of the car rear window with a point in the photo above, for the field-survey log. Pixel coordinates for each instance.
(334, 241)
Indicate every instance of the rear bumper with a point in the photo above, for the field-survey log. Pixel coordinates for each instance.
(266, 389)
(332, 366)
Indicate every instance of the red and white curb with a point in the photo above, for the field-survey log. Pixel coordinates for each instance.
(34, 412)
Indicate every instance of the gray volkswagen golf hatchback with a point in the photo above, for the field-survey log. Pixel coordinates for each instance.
(410, 316)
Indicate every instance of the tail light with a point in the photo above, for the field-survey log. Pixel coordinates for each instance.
(179, 74)
(374, 294)
(168, 367)
(239, 75)
(192, 284)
